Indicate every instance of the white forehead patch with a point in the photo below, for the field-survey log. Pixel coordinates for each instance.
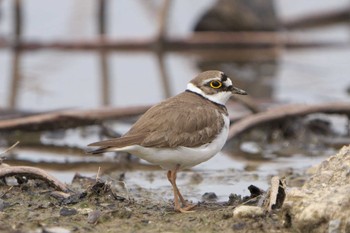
(228, 82)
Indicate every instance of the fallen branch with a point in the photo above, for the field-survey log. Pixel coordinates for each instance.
(197, 41)
(85, 166)
(34, 173)
(319, 19)
(284, 112)
(68, 118)
(10, 148)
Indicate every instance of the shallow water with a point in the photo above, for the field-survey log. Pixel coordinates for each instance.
(54, 80)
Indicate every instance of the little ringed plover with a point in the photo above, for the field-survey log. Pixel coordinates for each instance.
(182, 131)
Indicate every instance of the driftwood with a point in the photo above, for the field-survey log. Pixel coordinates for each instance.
(68, 118)
(32, 172)
(197, 41)
(9, 149)
(247, 102)
(283, 112)
(319, 19)
(85, 166)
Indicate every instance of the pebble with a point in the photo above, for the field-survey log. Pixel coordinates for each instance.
(68, 212)
(2, 205)
(56, 230)
(247, 212)
(209, 196)
(93, 216)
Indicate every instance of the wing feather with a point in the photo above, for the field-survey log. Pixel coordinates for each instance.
(186, 120)
(198, 121)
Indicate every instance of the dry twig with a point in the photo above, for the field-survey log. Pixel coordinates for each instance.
(319, 19)
(35, 173)
(284, 112)
(197, 41)
(10, 148)
(68, 118)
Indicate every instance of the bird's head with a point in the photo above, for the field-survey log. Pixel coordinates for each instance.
(215, 86)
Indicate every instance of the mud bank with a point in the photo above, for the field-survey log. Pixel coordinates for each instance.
(320, 205)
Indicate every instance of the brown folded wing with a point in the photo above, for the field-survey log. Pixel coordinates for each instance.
(184, 120)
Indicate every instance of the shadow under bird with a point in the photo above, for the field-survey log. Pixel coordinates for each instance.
(182, 131)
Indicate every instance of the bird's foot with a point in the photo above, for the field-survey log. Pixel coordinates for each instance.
(187, 209)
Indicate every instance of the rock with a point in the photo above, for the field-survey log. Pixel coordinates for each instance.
(322, 204)
(244, 211)
(239, 226)
(239, 15)
(209, 196)
(234, 199)
(94, 216)
(68, 212)
(55, 230)
(333, 226)
(251, 74)
(2, 205)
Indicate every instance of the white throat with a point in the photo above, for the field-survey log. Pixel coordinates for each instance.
(219, 98)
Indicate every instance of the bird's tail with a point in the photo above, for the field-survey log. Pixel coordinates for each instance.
(98, 150)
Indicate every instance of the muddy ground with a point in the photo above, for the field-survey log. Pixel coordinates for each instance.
(321, 204)
(98, 207)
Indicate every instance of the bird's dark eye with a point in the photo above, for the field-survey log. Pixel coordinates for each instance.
(216, 84)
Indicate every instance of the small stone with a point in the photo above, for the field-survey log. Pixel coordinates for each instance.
(227, 215)
(2, 205)
(250, 147)
(145, 221)
(333, 226)
(85, 210)
(239, 226)
(68, 212)
(248, 211)
(254, 191)
(234, 199)
(209, 196)
(93, 216)
(55, 230)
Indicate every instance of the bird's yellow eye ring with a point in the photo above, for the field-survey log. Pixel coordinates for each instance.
(216, 84)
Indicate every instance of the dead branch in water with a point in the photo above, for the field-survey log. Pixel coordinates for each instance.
(9, 149)
(194, 42)
(284, 112)
(34, 173)
(68, 118)
(247, 102)
(319, 19)
(85, 166)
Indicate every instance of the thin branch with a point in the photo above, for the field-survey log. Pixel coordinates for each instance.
(85, 166)
(8, 190)
(197, 41)
(247, 102)
(319, 19)
(10, 148)
(163, 20)
(18, 19)
(284, 112)
(35, 173)
(101, 16)
(69, 118)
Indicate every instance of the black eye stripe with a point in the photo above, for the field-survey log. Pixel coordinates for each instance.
(223, 77)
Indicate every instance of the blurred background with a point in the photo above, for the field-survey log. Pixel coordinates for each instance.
(84, 54)
(52, 76)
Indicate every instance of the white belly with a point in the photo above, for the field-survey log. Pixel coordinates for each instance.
(184, 156)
